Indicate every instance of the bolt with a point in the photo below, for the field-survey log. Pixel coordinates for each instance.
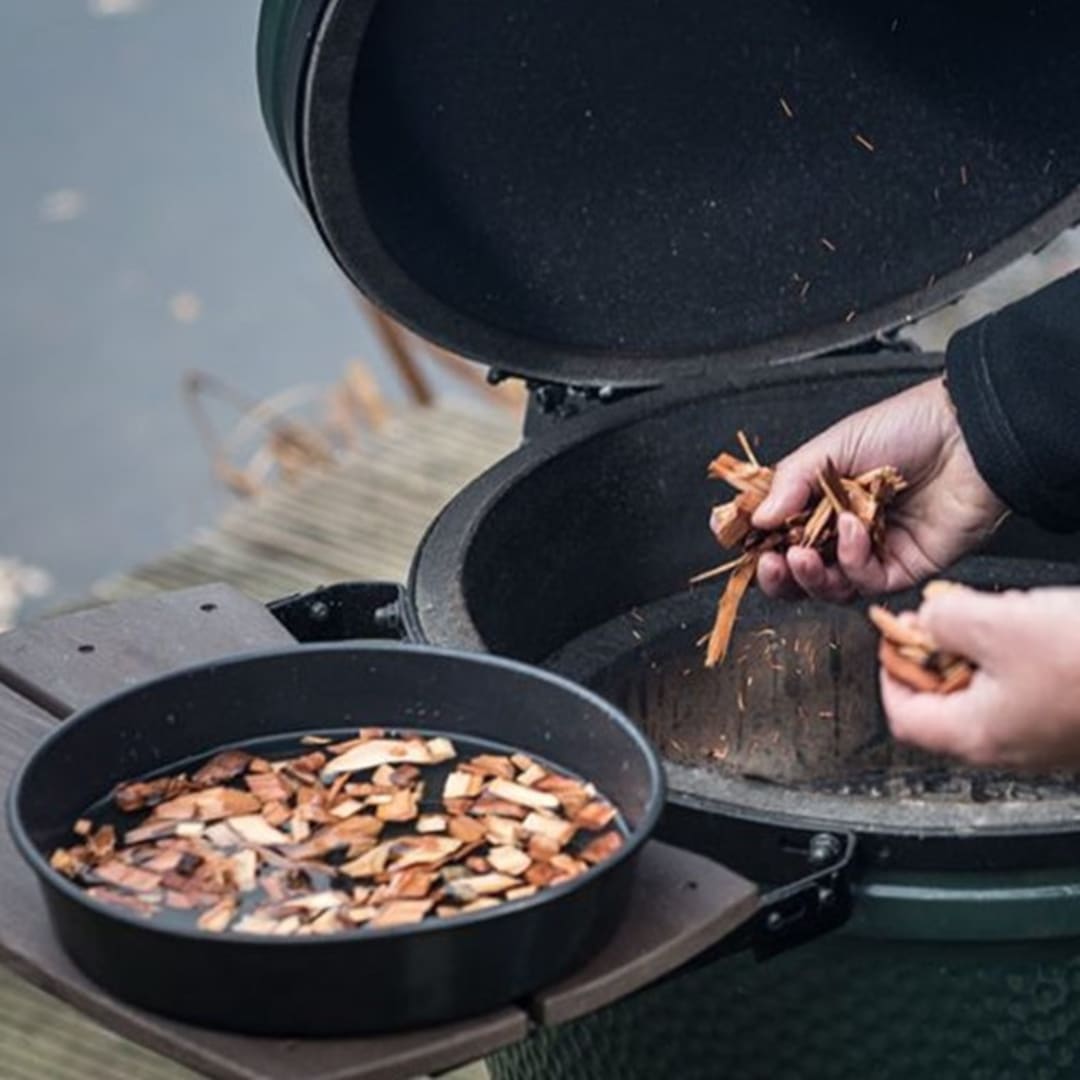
(824, 847)
(387, 617)
(495, 376)
(549, 397)
(774, 920)
(319, 611)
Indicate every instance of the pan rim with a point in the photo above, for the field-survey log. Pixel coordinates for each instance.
(638, 835)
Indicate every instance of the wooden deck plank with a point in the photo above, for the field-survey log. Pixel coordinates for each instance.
(361, 520)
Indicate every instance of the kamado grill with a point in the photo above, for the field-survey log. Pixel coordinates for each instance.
(674, 221)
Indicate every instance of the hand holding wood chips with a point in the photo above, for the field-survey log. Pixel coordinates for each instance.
(866, 496)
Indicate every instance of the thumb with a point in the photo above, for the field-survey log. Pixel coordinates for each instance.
(792, 486)
(970, 623)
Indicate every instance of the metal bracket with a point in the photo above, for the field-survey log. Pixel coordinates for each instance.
(348, 611)
(809, 906)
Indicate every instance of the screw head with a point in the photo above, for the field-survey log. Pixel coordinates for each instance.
(823, 848)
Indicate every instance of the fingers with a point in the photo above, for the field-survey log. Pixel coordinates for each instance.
(792, 486)
(801, 573)
(855, 554)
(774, 577)
(971, 623)
(951, 724)
(815, 578)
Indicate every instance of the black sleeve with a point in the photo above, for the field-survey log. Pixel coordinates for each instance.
(1014, 378)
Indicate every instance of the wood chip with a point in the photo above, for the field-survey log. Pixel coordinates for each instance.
(466, 889)
(255, 829)
(543, 848)
(440, 749)
(911, 656)
(403, 806)
(244, 867)
(222, 768)
(463, 785)
(368, 755)
(720, 637)
(347, 807)
(401, 913)
(502, 832)
(269, 787)
(595, 816)
(248, 845)
(522, 892)
(208, 805)
(509, 860)
(601, 848)
(466, 829)
(513, 792)
(731, 523)
(491, 765)
(553, 828)
(488, 805)
(121, 874)
(424, 850)
(532, 776)
(370, 863)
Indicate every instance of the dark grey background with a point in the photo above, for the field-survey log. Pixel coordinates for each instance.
(140, 129)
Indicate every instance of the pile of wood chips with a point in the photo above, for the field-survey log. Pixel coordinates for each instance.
(910, 655)
(866, 496)
(308, 845)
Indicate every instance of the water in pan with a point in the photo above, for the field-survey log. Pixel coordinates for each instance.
(795, 704)
(293, 745)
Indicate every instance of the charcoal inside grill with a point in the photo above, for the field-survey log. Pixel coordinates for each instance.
(795, 705)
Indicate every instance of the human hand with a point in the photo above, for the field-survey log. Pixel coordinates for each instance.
(947, 509)
(1022, 707)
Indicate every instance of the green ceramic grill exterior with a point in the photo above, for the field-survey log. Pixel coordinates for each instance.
(973, 976)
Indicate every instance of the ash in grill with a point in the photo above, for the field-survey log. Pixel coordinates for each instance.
(795, 704)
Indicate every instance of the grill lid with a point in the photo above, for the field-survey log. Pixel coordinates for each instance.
(628, 192)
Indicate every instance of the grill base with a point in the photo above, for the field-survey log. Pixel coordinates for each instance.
(838, 1009)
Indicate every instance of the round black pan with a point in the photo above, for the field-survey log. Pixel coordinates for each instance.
(404, 977)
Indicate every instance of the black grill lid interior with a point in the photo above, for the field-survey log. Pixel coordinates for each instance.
(614, 190)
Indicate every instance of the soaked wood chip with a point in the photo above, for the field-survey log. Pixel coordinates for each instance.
(250, 845)
(512, 792)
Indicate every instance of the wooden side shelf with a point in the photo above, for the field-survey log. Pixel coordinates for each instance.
(681, 903)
